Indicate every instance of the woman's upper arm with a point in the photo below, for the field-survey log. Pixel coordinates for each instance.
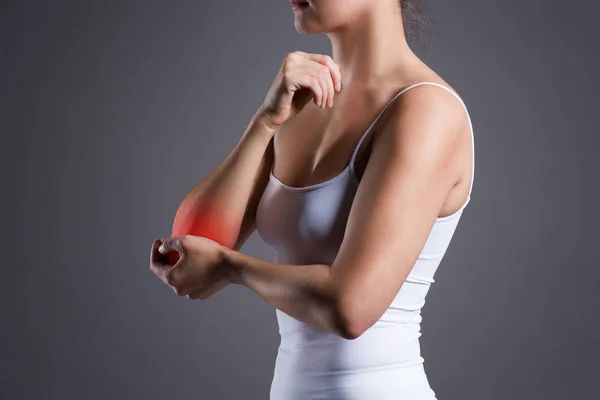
(401, 193)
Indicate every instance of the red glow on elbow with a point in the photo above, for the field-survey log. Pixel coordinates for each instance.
(208, 222)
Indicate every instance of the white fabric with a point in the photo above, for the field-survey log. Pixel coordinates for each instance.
(306, 226)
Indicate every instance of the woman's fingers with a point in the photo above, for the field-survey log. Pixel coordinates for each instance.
(336, 74)
(322, 75)
(326, 71)
(330, 90)
(316, 74)
(159, 263)
(306, 79)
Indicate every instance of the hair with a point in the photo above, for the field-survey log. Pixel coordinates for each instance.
(417, 27)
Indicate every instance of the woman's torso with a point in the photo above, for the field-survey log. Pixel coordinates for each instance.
(302, 216)
(317, 144)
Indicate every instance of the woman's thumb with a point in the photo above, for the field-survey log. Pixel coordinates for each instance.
(170, 243)
(171, 246)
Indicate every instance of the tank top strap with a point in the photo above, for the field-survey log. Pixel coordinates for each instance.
(364, 135)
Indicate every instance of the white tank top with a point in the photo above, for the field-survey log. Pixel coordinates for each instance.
(305, 225)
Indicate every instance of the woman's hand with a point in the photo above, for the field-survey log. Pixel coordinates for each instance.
(200, 271)
(302, 77)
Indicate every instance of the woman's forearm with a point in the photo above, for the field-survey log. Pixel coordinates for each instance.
(302, 291)
(215, 207)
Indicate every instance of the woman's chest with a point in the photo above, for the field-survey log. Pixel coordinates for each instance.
(314, 148)
(306, 224)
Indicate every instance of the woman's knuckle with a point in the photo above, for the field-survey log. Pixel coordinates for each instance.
(170, 278)
(291, 57)
(184, 240)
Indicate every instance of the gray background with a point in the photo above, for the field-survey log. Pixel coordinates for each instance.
(112, 111)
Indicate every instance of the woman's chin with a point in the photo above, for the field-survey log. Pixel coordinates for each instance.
(302, 29)
(305, 26)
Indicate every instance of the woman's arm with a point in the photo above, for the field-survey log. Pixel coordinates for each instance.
(301, 291)
(222, 206)
(413, 166)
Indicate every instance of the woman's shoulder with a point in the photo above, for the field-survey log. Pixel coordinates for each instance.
(428, 92)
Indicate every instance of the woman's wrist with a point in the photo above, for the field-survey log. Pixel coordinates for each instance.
(233, 263)
(263, 118)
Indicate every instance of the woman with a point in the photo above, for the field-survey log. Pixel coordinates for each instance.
(356, 250)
